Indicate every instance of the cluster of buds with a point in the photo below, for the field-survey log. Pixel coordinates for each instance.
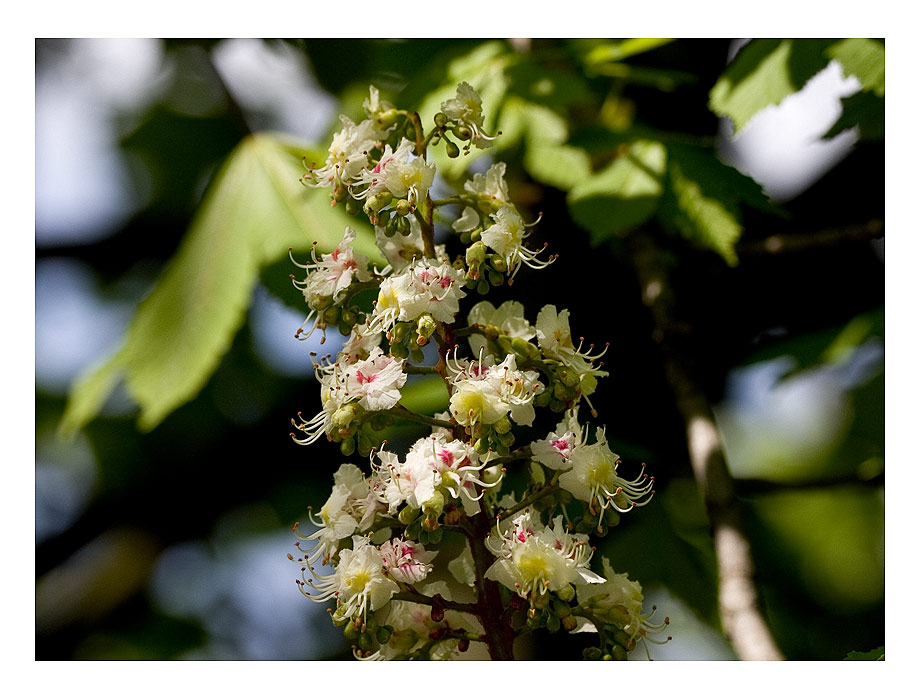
(420, 553)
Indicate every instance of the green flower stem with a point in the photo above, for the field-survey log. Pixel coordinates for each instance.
(547, 489)
(516, 455)
(413, 369)
(399, 410)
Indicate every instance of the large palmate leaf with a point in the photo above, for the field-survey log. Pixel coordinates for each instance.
(254, 211)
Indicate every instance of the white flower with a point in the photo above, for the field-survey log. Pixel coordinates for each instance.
(330, 275)
(358, 583)
(484, 393)
(490, 185)
(398, 172)
(432, 463)
(466, 110)
(593, 478)
(556, 450)
(406, 561)
(348, 154)
(506, 237)
(359, 344)
(475, 402)
(350, 507)
(536, 559)
(508, 318)
(618, 601)
(425, 286)
(555, 339)
(375, 382)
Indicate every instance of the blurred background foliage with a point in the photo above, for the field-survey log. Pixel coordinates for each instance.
(167, 372)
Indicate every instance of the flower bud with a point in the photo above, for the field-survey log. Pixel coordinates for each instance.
(566, 593)
(435, 504)
(498, 263)
(347, 446)
(377, 202)
(588, 384)
(524, 349)
(482, 287)
(383, 634)
(352, 207)
(561, 609)
(407, 515)
(619, 653)
(403, 207)
(453, 150)
(386, 118)
(426, 325)
(351, 633)
(502, 425)
(347, 414)
(476, 254)
(440, 119)
(569, 623)
(553, 623)
(591, 653)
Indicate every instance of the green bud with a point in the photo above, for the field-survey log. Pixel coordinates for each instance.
(466, 238)
(553, 624)
(403, 207)
(434, 537)
(620, 653)
(611, 517)
(429, 524)
(414, 529)
(541, 602)
(383, 634)
(426, 325)
(453, 150)
(524, 349)
(507, 439)
(351, 633)
(378, 201)
(496, 279)
(498, 263)
(399, 350)
(481, 446)
(462, 132)
(503, 425)
(565, 497)
(402, 225)
(542, 399)
(352, 207)
(410, 131)
(417, 356)
(591, 653)
(569, 623)
(567, 376)
(476, 235)
(407, 515)
(347, 447)
(556, 405)
(476, 254)
(435, 504)
(588, 384)
(386, 118)
(331, 315)
(365, 641)
(567, 593)
(440, 119)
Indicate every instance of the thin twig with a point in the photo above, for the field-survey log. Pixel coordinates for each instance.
(801, 242)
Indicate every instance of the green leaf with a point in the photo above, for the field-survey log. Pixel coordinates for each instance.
(866, 112)
(764, 73)
(701, 219)
(546, 157)
(623, 195)
(425, 395)
(702, 199)
(619, 50)
(253, 213)
(864, 58)
(877, 654)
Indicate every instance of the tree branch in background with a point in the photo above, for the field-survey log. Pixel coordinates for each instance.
(801, 242)
(742, 620)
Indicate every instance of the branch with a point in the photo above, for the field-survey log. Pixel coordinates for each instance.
(742, 619)
(786, 242)
(418, 598)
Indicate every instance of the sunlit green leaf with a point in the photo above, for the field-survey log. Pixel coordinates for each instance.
(253, 213)
(864, 58)
(618, 50)
(764, 73)
(623, 195)
(426, 395)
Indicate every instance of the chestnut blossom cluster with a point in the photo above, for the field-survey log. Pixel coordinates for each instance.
(424, 550)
